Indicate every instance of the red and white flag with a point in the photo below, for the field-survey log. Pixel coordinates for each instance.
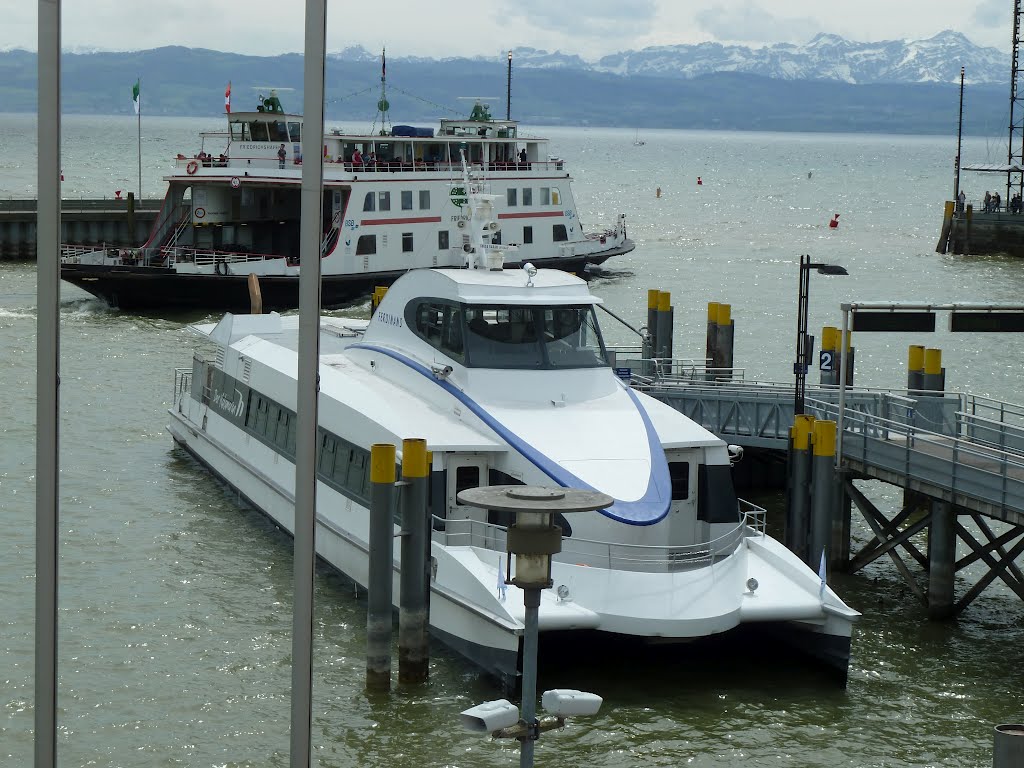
(227, 98)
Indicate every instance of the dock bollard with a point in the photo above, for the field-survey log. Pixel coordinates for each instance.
(379, 583)
(851, 356)
(652, 327)
(414, 597)
(798, 508)
(822, 488)
(934, 379)
(915, 369)
(830, 346)
(663, 350)
(1009, 746)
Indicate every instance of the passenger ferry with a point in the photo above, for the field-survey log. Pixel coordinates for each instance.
(393, 200)
(505, 374)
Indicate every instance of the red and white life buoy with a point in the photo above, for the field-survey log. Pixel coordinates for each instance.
(192, 167)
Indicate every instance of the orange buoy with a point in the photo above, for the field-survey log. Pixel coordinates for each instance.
(835, 221)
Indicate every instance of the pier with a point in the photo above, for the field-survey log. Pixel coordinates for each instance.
(124, 223)
(958, 457)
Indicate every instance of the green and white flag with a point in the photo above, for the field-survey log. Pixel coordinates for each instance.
(135, 96)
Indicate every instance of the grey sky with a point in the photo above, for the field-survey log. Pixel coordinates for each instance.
(438, 28)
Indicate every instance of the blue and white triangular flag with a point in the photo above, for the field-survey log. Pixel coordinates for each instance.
(821, 575)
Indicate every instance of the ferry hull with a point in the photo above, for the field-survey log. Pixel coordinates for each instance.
(152, 288)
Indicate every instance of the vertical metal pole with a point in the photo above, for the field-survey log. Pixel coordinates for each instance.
(800, 367)
(307, 387)
(139, 129)
(382, 554)
(508, 90)
(47, 384)
(531, 602)
(959, 142)
(414, 595)
(798, 516)
(842, 386)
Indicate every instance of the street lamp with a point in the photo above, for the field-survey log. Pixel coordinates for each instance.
(800, 366)
(533, 539)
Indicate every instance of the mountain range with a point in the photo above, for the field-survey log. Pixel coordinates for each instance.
(827, 84)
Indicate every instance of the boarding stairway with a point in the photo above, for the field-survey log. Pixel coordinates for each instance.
(962, 448)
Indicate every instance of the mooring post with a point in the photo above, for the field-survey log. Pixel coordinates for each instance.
(797, 511)
(652, 325)
(915, 369)
(934, 379)
(724, 345)
(941, 560)
(414, 595)
(823, 513)
(1008, 746)
(711, 348)
(829, 375)
(851, 356)
(379, 584)
(664, 348)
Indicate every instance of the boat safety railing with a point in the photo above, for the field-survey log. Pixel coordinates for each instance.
(193, 165)
(613, 555)
(960, 466)
(182, 383)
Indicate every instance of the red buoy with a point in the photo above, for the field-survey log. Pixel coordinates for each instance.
(699, 182)
(835, 221)
(117, 194)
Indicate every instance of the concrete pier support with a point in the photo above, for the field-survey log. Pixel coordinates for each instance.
(941, 560)
(379, 584)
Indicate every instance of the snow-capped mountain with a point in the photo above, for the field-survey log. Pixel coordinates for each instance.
(826, 57)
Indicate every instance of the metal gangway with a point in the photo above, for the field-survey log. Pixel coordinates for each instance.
(959, 458)
(964, 448)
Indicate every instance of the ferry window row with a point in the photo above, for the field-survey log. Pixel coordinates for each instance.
(547, 196)
(510, 337)
(266, 130)
(366, 245)
(340, 464)
(381, 201)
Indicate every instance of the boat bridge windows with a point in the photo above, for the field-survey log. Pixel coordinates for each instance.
(248, 128)
(510, 336)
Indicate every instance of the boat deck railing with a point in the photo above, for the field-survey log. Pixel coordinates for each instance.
(195, 166)
(613, 555)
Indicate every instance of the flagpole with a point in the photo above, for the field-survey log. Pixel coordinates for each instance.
(138, 115)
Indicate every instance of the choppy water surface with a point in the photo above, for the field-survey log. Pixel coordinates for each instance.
(175, 604)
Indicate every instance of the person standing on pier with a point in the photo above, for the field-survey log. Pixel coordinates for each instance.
(988, 201)
(961, 200)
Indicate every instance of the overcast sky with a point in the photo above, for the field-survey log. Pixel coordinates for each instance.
(438, 28)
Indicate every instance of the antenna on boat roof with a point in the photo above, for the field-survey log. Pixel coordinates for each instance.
(382, 103)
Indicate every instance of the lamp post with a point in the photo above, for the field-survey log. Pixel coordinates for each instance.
(533, 539)
(800, 366)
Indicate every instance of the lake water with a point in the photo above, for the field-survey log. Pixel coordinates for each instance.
(175, 603)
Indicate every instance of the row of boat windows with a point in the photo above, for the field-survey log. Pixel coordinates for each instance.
(340, 464)
(381, 201)
(366, 245)
(261, 130)
(510, 337)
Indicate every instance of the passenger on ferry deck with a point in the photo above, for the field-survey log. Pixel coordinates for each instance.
(357, 159)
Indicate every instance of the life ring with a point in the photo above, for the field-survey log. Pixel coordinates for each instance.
(192, 167)
(217, 267)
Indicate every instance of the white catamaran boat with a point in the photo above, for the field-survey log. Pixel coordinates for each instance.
(393, 200)
(504, 372)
